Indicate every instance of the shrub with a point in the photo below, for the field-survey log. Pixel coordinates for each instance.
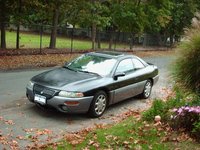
(177, 101)
(162, 108)
(185, 117)
(188, 119)
(186, 70)
(196, 130)
(195, 101)
(157, 108)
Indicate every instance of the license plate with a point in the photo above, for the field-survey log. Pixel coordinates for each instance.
(40, 99)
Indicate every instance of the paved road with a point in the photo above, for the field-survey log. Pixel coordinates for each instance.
(23, 122)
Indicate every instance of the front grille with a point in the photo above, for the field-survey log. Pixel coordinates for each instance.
(44, 91)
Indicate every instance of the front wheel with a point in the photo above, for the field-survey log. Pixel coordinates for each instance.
(98, 104)
(147, 89)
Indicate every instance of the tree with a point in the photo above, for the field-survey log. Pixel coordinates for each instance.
(54, 6)
(18, 12)
(129, 16)
(94, 15)
(168, 17)
(181, 15)
(49, 12)
(158, 16)
(197, 2)
(58, 8)
(19, 16)
(6, 9)
(73, 15)
(18, 25)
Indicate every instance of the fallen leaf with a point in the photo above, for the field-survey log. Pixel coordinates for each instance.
(126, 143)
(90, 142)
(20, 137)
(9, 122)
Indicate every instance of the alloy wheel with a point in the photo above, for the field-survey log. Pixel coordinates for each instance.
(100, 104)
(147, 89)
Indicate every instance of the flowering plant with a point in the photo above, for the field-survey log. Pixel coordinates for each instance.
(186, 117)
(184, 110)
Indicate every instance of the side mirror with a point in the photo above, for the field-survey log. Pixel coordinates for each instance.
(119, 74)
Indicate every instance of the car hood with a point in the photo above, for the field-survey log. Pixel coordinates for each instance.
(60, 77)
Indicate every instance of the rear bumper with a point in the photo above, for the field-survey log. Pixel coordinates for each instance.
(155, 79)
(59, 103)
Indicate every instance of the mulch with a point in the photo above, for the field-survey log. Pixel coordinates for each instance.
(16, 52)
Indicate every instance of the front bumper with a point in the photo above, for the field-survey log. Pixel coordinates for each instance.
(58, 102)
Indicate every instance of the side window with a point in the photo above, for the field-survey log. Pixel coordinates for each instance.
(137, 63)
(125, 65)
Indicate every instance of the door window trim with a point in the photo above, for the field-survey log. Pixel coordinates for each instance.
(127, 72)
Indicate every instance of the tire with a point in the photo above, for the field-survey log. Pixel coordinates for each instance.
(147, 90)
(98, 104)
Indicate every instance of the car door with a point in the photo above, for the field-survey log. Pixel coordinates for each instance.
(127, 86)
(140, 74)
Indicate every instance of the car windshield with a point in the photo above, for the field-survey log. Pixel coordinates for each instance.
(92, 64)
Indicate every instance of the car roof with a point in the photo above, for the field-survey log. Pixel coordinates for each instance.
(116, 55)
(110, 54)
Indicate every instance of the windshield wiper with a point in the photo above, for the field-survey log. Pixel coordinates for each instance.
(88, 72)
(69, 68)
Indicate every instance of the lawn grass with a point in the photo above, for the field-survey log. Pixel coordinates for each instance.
(32, 40)
(129, 134)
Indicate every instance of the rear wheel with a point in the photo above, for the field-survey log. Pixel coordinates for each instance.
(98, 104)
(147, 89)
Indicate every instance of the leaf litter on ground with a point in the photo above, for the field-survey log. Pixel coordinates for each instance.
(51, 60)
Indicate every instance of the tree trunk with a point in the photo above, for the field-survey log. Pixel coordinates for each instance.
(171, 39)
(2, 24)
(17, 38)
(117, 40)
(110, 41)
(94, 36)
(131, 41)
(18, 24)
(98, 39)
(72, 38)
(3, 36)
(52, 44)
(41, 34)
(160, 41)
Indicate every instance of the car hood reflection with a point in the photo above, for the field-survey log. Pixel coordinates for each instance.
(61, 77)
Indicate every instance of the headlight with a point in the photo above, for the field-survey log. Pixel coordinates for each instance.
(30, 85)
(71, 94)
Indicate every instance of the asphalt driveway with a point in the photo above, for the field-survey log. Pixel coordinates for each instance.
(23, 124)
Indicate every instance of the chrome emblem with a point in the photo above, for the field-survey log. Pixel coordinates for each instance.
(41, 92)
